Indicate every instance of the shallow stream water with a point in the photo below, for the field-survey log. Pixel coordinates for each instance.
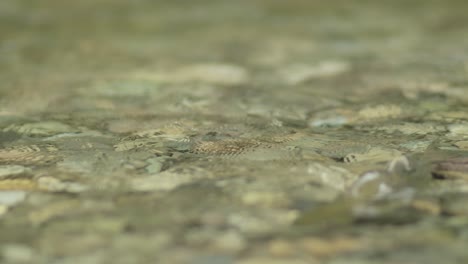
(233, 132)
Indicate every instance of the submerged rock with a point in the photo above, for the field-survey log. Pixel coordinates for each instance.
(456, 168)
(299, 73)
(13, 171)
(10, 198)
(42, 129)
(170, 179)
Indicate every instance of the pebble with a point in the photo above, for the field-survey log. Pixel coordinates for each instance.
(455, 205)
(329, 122)
(462, 144)
(380, 112)
(17, 253)
(55, 209)
(249, 224)
(10, 198)
(215, 73)
(263, 223)
(375, 154)
(458, 130)
(331, 118)
(3, 209)
(281, 248)
(399, 164)
(332, 176)
(455, 168)
(213, 219)
(155, 165)
(168, 180)
(55, 185)
(213, 259)
(320, 248)
(8, 171)
(265, 198)
(417, 145)
(373, 185)
(300, 73)
(429, 206)
(230, 241)
(78, 163)
(18, 184)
